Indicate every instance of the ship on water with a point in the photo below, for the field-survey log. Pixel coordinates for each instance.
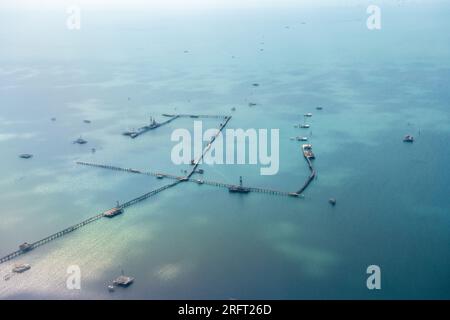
(240, 188)
(20, 268)
(307, 151)
(135, 133)
(80, 141)
(113, 212)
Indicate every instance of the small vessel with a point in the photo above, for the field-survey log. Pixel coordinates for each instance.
(7, 276)
(308, 115)
(123, 281)
(307, 151)
(305, 126)
(87, 121)
(53, 119)
(199, 181)
(24, 247)
(153, 124)
(135, 171)
(111, 288)
(301, 138)
(294, 194)
(26, 156)
(159, 176)
(408, 138)
(129, 133)
(255, 84)
(319, 108)
(19, 268)
(332, 201)
(200, 171)
(182, 179)
(192, 162)
(239, 188)
(252, 104)
(113, 212)
(233, 109)
(80, 141)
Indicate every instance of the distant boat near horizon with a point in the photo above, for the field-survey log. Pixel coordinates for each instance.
(80, 141)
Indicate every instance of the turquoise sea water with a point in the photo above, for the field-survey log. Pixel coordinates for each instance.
(199, 241)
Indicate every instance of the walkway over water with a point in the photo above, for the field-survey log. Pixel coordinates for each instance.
(178, 179)
(142, 130)
(190, 179)
(196, 116)
(155, 125)
(124, 205)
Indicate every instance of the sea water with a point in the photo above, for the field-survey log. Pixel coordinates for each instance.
(199, 241)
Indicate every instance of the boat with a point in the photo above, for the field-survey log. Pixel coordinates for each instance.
(159, 176)
(305, 126)
(319, 108)
(301, 138)
(233, 109)
(182, 179)
(113, 212)
(332, 201)
(307, 151)
(24, 247)
(123, 281)
(153, 124)
(309, 115)
(26, 156)
(294, 194)
(87, 121)
(255, 84)
(193, 161)
(200, 171)
(252, 104)
(408, 138)
(19, 268)
(128, 133)
(111, 288)
(239, 188)
(199, 181)
(135, 171)
(80, 141)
